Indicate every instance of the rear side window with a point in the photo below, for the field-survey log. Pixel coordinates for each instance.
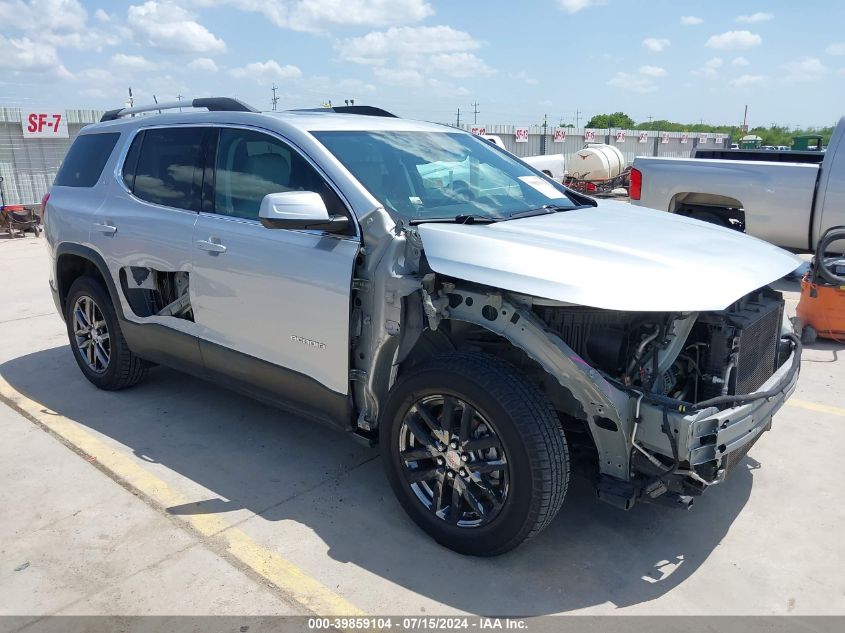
(169, 167)
(86, 159)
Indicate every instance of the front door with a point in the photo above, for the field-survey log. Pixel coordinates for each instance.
(272, 305)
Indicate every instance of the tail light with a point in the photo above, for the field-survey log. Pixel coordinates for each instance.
(44, 206)
(635, 189)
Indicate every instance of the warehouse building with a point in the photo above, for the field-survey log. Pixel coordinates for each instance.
(33, 144)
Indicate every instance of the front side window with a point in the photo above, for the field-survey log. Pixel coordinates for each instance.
(86, 159)
(169, 167)
(422, 176)
(251, 164)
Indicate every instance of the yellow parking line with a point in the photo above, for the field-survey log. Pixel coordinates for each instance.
(812, 406)
(289, 578)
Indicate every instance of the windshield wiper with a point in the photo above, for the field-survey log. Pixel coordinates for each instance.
(459, 219)
(544, 210)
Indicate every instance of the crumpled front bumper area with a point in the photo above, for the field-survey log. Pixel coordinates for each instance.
(709, 441)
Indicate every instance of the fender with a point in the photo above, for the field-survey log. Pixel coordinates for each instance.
(609, 411)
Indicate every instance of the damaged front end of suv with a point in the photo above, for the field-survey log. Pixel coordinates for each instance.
(665, 401)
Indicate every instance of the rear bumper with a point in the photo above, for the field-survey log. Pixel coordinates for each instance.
(710, 442)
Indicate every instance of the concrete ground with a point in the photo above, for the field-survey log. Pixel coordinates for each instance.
(179, 497)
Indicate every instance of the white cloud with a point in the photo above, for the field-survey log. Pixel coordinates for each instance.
(457, 65)
(39, 15)
(837, 48)
(132, 62)
(317, 15)
(266, 72)
(652, 71)
(102, 16)
(574, 6)
(25, 54)
(632, 82)
(378, 47)
(168, 26)
(691, 20)
(399, 77)
(755, 17)
(805, 69)
(524, 76)
(656, 44)
(203, 64)
(710, 68)
(734, 40)
(747, 80)
(428, 50)
(739, 61)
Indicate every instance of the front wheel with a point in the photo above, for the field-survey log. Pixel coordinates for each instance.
(474, 453)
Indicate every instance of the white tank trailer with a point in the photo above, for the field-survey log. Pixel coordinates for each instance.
(596, 162)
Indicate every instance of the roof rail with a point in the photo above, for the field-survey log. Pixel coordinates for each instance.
(363, 110)
(212, 104)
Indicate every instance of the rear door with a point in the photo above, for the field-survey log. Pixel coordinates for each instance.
(272, 305)
(145, 230)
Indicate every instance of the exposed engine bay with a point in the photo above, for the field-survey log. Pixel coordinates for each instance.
(687, 357)
(153, 292)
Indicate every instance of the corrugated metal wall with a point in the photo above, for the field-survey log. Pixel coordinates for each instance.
(630, 147)
(28, 166)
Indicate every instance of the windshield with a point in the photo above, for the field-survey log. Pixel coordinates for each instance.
(423, 176)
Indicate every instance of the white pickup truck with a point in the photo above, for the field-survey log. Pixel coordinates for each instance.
(553, 165)
(790, 204)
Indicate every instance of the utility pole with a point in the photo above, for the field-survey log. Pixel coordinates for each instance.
(458, 120)
(545, 131)
(179, 99)
(475, 113)
(131, 98)
(650, 117)
(745, 121)
(577, 119)
(275, 99)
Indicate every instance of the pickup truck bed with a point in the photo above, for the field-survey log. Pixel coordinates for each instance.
(790, 204)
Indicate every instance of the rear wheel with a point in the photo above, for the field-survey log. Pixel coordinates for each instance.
(710, 217)
(474, 453)
(96, 338)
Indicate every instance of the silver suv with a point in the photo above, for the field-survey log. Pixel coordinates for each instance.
(421, 288)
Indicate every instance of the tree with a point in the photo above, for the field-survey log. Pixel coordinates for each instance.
(615, 120)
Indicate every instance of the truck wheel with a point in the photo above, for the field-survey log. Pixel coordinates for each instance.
(474, 453)
(96, 339)
(712, 218)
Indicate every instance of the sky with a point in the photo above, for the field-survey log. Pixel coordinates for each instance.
(681, 60)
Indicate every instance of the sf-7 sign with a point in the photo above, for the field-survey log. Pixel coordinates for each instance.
(43, 124)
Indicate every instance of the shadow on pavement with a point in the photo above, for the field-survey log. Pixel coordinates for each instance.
(250, 456)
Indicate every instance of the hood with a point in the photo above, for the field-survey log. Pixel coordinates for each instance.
(615, 256)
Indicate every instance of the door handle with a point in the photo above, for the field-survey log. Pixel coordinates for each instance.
(108, 229)
(211, 246)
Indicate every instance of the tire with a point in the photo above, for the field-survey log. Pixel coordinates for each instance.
(710, 218)
(808, 335)
(530, 463)
(121, 368)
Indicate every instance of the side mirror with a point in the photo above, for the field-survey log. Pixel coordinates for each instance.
(299, 210)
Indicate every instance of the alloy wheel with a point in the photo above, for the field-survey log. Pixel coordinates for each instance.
(91, 334)
(454, 461)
